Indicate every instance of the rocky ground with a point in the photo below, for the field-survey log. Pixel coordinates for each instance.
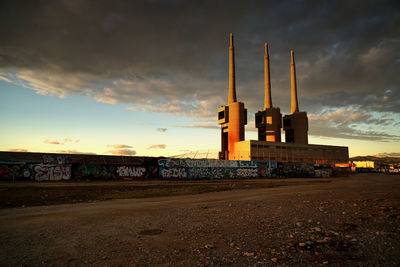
(353, 221)
(27, 194)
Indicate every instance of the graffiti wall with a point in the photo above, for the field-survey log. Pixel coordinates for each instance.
(83, 171)
(54, 159)
(131, 171)
(174, 172)
(203, 168)
(55, 167)
(125, 172)
(42, 172)
(212, 163)
(14, 172)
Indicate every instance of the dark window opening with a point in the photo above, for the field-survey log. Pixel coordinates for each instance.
(287, 122)
(258, 119)
(221, 115)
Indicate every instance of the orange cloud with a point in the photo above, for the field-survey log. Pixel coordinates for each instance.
(122, 152)
(17, 150)
(55, 142)
(52, 142)
(160, 146)
(74, 152)
(119, 146)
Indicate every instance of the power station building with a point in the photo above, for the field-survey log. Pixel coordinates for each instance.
(268, 147)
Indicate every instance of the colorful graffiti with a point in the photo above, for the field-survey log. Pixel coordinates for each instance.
(131, 171)
(323, 173)
(212, 172)
(246, 173)
(94, 171)
(212, 168)
(43, 172)
(199, 172)
(173, 173)
(198, 163)
(54, 159)
(219, 173)
(14, 171)
(63, 167)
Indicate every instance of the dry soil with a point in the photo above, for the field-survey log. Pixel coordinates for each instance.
(353, 221)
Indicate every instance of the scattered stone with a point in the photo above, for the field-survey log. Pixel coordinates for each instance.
(248, 254)
(274, 259)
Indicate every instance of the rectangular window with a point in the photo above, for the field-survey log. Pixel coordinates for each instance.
(221, 115)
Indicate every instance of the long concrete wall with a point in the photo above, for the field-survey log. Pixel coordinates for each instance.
(49, 167)
(57, 167)
(212, 168)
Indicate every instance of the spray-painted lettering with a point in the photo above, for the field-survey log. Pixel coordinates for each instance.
(51, 173)
(14, 171)
(173, 173)
(246, 172)
(199, 172)
(130, 171)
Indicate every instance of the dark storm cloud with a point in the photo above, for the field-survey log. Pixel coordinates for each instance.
(171, 56)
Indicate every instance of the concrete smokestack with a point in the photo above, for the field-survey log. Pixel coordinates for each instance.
(233, 116)
(232, 83)
(267, 96)
(294, 105)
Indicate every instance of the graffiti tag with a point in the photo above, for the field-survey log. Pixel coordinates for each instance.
(173, 173)
(51, 173)
(130, 171)
(246, 172)
(199, 172)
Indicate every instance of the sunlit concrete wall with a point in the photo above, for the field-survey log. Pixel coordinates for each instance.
(292, 153)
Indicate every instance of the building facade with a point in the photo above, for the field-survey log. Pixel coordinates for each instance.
(291, 153)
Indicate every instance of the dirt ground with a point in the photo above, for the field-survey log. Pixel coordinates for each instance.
(352, 221)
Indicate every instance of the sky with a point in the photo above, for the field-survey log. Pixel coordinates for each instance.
(146, 77)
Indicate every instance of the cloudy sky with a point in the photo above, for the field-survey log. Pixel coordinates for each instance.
(147, 77)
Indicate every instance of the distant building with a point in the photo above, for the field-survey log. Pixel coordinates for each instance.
(291, 153)
(268, 147)
(364, 164)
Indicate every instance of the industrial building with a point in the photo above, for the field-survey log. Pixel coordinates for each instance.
(268, 147)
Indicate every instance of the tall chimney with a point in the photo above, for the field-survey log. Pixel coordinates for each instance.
(267, 96)
(232, 84)
(294, 106)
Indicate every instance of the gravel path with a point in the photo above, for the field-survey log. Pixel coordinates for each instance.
(352, 221)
